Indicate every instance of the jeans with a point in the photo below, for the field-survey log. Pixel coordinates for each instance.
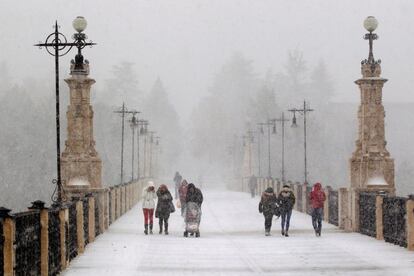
(268, 221)
(317, 215)
(286, 219)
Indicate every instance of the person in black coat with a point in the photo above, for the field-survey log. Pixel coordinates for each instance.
(194, 195)
(267, 206)
(287, 201)
(164, 207)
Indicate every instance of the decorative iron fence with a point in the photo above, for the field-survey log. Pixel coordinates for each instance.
(27, 243)
(96, 216)
(394, 210)
(1, 248)
(54, 242)
(367, 214)
(333, 207)
(85, 202)
(72, 239)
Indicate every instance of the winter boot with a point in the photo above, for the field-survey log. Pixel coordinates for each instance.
(166, 228)
(150, 228)
(286, 234)
(146, 229)
(197, 234)
(160, 226)
(267, 232)
(283, 232)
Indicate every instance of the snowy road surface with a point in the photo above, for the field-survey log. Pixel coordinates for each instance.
(233, 243)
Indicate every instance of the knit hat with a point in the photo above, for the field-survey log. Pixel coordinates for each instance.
(269, 190)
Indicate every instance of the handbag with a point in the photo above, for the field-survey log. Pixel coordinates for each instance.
(172, 208)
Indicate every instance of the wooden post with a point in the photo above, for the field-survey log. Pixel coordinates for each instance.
(118, 200)
(378, 217)
(113, 204)
(91, 219)
(44, 242)
(9, 232)
(79, 227)
(410, 223)
(63, 227)
(326, 204)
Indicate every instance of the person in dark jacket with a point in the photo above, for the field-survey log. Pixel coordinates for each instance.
(253, 185)
(317, 198)
(267, 206)
(164, 207)
(194, 195)
(287, 201)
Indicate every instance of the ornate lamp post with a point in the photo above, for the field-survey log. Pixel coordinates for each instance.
(282, 120)
(302, 111)
(142, 130)
(57, 45)
(133, 124)
(270, 124)
(123, 110)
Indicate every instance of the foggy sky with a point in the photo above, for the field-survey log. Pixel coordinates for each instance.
(186, 42)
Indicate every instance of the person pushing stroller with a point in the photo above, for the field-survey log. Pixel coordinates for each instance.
(193, 202)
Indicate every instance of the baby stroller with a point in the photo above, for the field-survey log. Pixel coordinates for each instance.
(192, 219)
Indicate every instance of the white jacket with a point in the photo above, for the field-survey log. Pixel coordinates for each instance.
(148, 198)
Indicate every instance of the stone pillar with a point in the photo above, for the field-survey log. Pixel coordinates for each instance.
(81, 164)
(44, 242)
(91, 219)
(379, 218)
(305, 197)
(113, 204)
(343, 212)
(106, 209)
(326, 204)
(9, 252)
(63, 229)
(371, 165)
(295, 192)
(410, 223)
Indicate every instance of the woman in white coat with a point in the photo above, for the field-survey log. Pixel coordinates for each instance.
(148, 205)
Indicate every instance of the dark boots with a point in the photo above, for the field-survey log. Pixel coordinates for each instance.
(146, 229)
(160, 226)
(166, 228)
(150, 228)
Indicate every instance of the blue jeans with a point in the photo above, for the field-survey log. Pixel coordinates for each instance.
(286, 219)
(317, 215)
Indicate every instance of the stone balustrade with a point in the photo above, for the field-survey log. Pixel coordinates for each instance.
(385, 217)
(43, 241)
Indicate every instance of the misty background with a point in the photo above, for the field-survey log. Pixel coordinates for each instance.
(203, 73)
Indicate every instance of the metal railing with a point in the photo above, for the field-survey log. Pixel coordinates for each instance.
(367, 214)
(54, 242)
(394, 222)
(72, 240)
(333, 207)
(85, 202)
(27, 243)
(1, 248)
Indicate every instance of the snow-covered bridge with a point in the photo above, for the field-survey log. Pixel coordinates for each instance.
(233, 243)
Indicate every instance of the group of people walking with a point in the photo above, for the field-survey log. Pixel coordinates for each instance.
(186, 195)
(281, 205)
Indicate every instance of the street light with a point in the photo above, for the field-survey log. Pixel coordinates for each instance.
(57, 45)
(371, 24)
(270, 124)
(282, 120)
(303, 111)
(123, 110)
(142, 126)
(133, 124)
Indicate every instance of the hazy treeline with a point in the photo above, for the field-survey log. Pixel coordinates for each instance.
(239, 98)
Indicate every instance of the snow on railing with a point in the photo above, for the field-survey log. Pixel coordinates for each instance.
(43, 241)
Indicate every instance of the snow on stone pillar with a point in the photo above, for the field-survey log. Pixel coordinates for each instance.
(81, 164)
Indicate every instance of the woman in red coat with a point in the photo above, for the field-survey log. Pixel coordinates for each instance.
(317, 198)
